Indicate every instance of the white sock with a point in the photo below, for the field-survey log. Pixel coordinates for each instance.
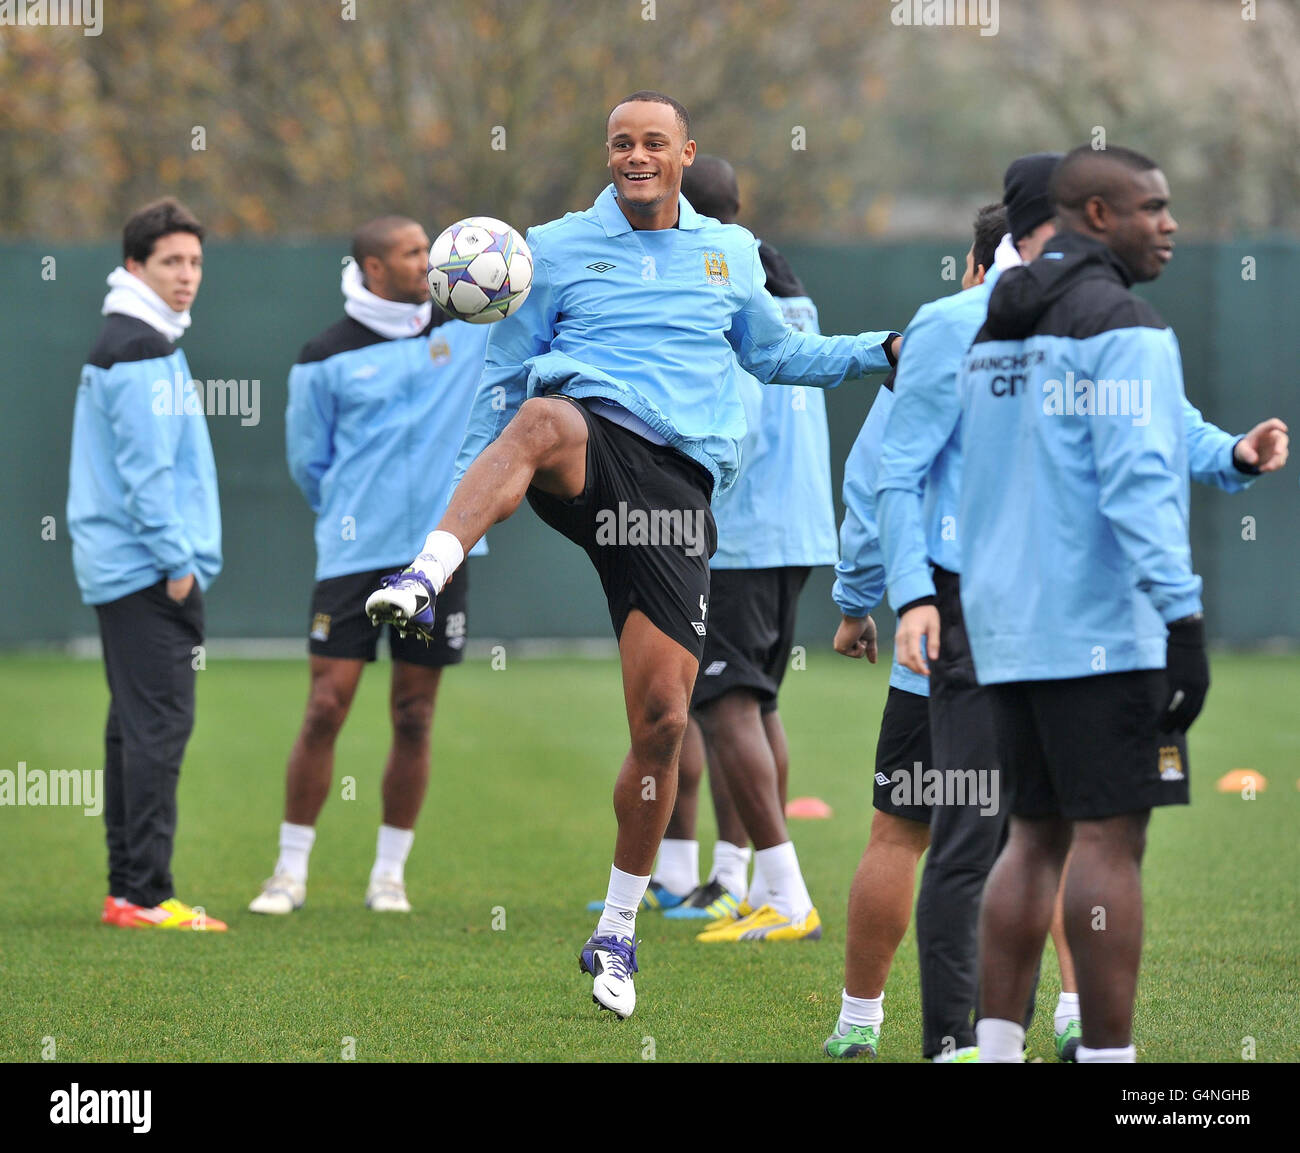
(758, 890)
(860, 1011)
(730, 866)
(1067, 1010)
(786, 892)
(622, 899)
(391, 850)
(1000, 1041)
(440, 557)
(295, 847)
(678, 866)
(1125, 1056)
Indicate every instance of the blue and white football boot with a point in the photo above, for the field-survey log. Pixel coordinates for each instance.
(611, 961)
(405, 600)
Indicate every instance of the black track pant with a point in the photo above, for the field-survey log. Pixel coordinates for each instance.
(149, 655)
(964, 840)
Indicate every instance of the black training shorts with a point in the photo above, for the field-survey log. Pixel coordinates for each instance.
(1090, 747)
(644, 520)
(903, 745)
(751, 632)
(340, 627)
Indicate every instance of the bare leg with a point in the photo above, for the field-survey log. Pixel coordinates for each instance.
(690, 768)
(684, 821)
(1016, 912)
(880, 901)
(1069, 982)
(730, 827)
(544, 445)
(738, 745)
(311, 761)
(780, 753)
(658, 676)
(406, 775)
(1103, 920)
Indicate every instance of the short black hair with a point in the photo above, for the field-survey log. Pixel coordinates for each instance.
(374, 238)
(990, 228)
(151, 223)
(1087, 172)
(649, 96)
(710, 186)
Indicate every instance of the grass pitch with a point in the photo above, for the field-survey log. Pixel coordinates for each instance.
(516, 836)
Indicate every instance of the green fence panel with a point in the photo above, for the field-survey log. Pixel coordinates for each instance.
(260, 302)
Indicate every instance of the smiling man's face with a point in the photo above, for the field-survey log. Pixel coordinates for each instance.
(648, 150)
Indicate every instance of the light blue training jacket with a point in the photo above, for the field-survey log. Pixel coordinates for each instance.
(372, 430)
(142, 482)
(1074, 494)
(921, 463)
(860, 573)
(662, 322)
(779, 513)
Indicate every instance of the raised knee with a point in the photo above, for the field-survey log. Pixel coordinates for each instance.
(537, 423)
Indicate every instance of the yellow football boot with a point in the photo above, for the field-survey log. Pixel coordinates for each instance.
(766, 924)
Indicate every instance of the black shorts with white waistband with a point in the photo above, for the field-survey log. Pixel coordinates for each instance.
(902, 750)
(751, 632)
(1090, 747)
(644, 519)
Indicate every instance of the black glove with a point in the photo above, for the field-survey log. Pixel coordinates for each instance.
(1188, 673)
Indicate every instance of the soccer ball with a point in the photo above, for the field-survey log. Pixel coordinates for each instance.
(480, 270)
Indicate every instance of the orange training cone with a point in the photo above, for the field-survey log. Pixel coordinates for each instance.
(1238, 779)
(808, 809)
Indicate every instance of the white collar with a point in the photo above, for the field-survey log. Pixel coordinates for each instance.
(393, 319)
(1007, 254)
(131, 296)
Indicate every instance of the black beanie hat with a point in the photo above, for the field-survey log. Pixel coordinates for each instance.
(1024, 192)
